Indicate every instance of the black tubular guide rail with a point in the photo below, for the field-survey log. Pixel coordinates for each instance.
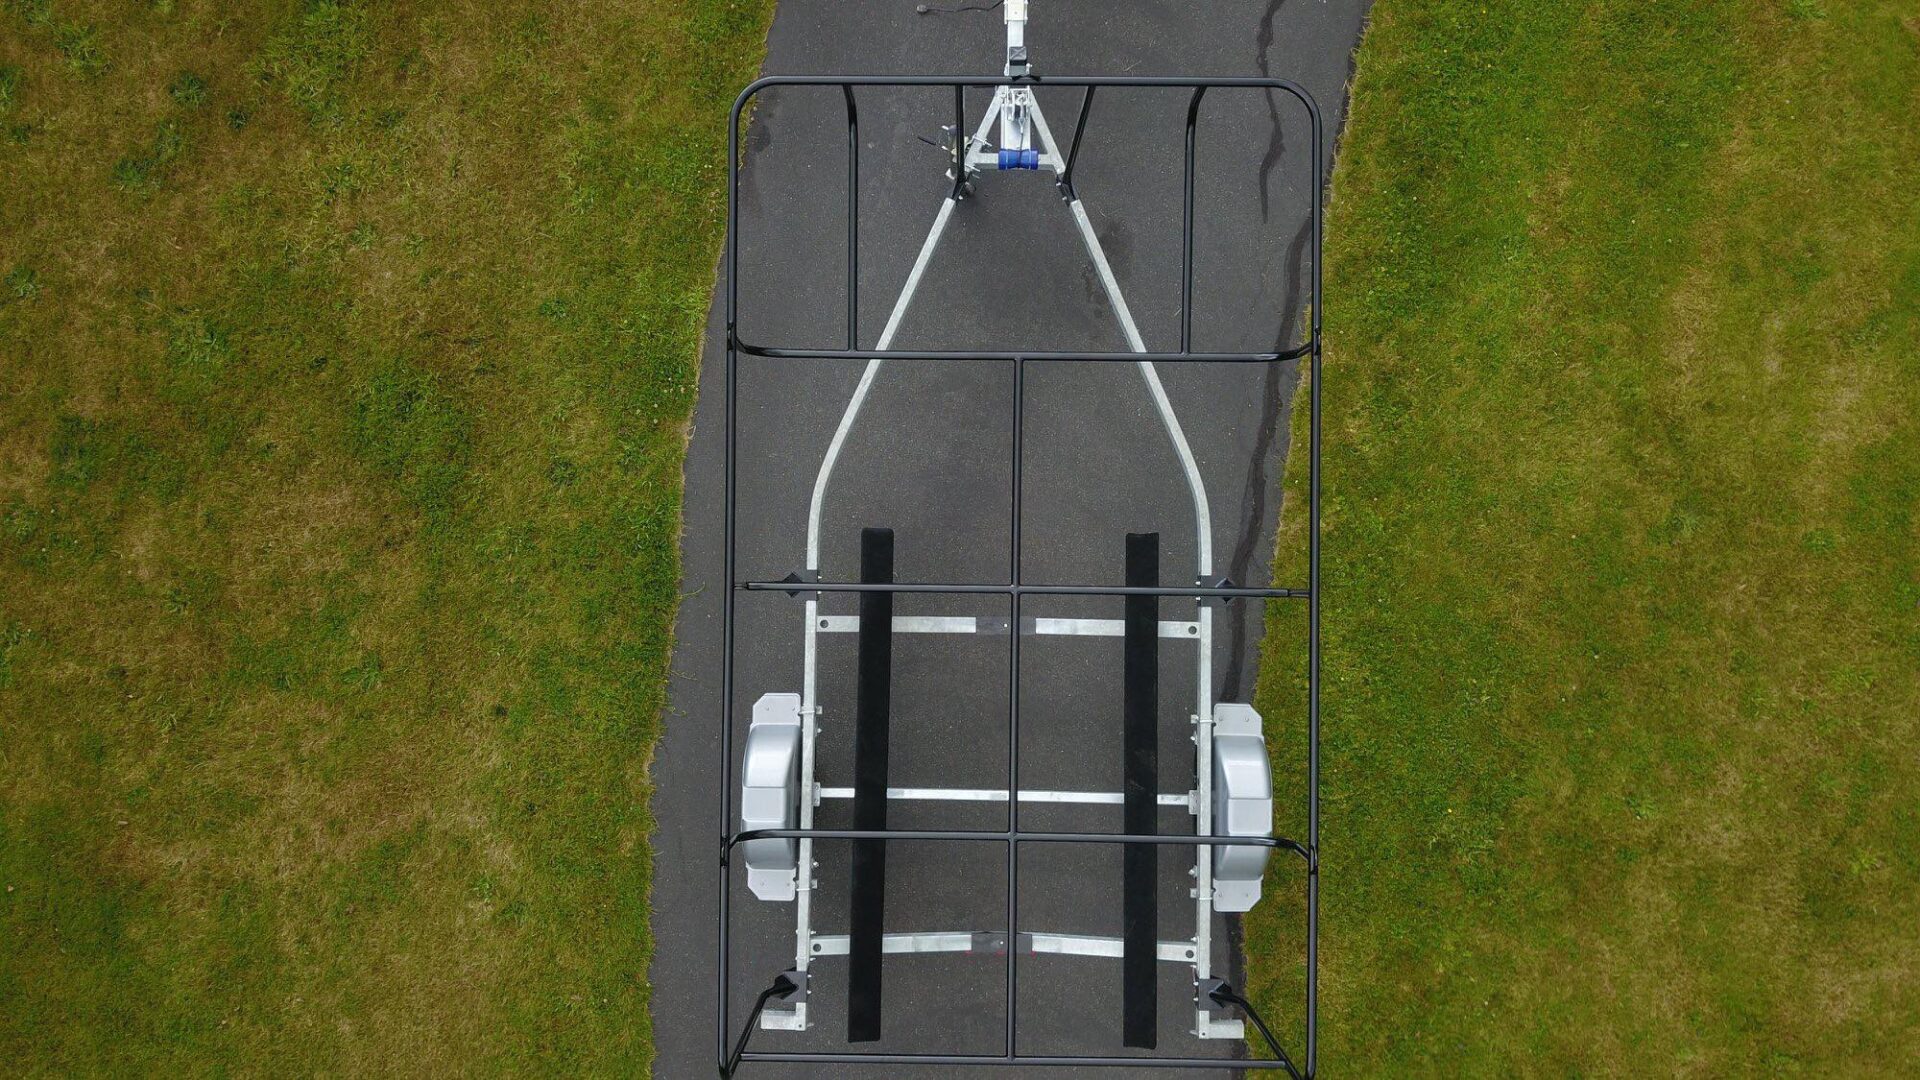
(877, 587)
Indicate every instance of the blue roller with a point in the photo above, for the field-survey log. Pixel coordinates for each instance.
(1019, 159)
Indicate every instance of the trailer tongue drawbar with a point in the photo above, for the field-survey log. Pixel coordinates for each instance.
(773, 834)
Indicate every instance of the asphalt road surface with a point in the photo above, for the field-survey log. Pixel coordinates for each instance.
(930, 459)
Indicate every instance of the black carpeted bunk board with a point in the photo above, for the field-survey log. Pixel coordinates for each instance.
(872, 714)
(1140, 786)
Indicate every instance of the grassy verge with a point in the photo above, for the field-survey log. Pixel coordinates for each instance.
(1622, 560)
(346, 352)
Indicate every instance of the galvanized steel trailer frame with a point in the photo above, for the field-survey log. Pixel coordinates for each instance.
(967, 157)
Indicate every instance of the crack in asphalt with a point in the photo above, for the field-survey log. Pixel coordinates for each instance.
(1277, 386)
(1276, 143)
(1276, 393)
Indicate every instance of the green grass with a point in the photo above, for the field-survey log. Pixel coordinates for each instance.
(346, 357)
(1622, 547)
